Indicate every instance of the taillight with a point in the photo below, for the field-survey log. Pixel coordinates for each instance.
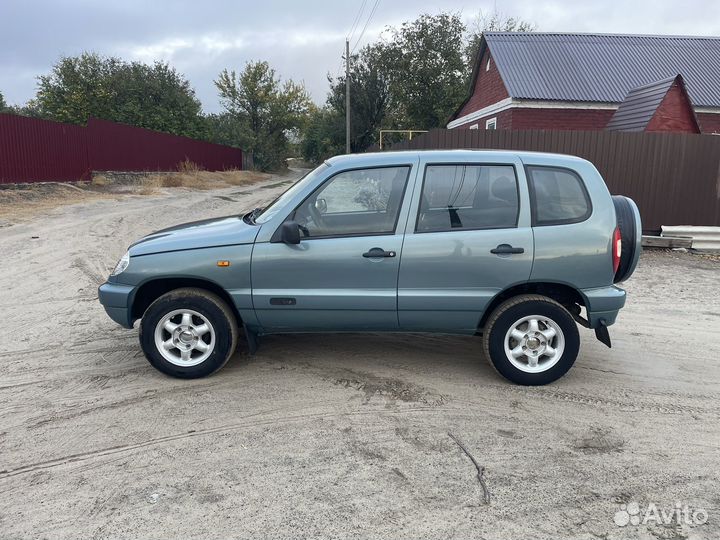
(617, 249)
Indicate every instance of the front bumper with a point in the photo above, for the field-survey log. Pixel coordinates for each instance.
(603, 304)
(116, 299)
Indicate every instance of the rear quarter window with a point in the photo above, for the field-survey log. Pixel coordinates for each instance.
(558, 196)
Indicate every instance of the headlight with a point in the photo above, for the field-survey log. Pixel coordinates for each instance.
(122, 264)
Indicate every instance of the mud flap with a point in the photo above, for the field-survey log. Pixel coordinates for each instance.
(601, 331)
(602, 334)
(252, 340)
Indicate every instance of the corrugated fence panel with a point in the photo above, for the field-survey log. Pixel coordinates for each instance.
(119, 147)
(674, 178)
(33, 150)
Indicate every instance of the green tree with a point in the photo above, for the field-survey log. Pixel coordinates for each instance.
(150, 96)
(424, 60)
(324, 134)
(369, 98)
(29, 109)
(266, 110)
(224, 129)
(158, 97)
(391, 88)
(413, 78)
(3, 105)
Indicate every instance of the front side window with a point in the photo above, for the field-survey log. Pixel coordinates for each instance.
(559, 196)
(457, 197)
(354, 203)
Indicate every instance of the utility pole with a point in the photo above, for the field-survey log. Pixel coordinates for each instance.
(347, 96)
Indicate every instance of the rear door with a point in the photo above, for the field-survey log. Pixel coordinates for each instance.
(468, 237)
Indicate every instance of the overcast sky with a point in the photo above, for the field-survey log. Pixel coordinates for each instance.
(302, 39)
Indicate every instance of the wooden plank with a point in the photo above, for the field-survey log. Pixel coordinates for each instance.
(667, 241)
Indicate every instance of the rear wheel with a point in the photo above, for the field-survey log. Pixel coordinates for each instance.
(188, 333)
(531, 340)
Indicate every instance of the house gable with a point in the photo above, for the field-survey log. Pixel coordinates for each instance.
(675, 112)
(488, 87)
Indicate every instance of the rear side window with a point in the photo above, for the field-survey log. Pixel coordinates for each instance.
(559, 196)
(457, 197)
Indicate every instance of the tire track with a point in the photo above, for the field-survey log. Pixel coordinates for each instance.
(550, 394)
(121, 448)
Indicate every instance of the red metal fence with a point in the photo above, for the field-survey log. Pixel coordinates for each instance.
(673, 177)
(33, 150)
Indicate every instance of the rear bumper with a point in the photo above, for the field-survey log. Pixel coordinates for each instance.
(603, 304)
(115, 298)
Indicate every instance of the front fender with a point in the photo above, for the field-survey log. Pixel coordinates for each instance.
(194, 264)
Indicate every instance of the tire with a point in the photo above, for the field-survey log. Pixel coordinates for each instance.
(198, 316)
(627, 225)
(552, 320)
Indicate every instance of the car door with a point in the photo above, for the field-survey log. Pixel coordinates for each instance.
(468, 238)
(343, 273)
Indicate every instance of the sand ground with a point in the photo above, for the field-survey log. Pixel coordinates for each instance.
(338, 436)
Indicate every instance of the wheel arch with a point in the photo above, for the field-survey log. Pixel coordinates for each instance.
(153, 289)
(564, 294)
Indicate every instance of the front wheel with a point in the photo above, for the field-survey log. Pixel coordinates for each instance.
(188, 333)
(531, 340)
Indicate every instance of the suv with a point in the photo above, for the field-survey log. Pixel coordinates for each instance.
(517, 247)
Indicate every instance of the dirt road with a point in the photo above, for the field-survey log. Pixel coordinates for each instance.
(344, 435)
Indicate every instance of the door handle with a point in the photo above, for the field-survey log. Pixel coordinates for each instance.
(506, 249)
(375, 253)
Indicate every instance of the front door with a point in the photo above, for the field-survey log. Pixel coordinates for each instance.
(343, 273)
(468, 238)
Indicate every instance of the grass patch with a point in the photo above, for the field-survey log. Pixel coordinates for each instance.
(22, 201)
(100, 180)
(199, 179)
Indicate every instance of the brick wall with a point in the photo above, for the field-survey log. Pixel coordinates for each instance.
(573, 119)
(674, 113)
(709, 122)
(489, 87)
(563, 119)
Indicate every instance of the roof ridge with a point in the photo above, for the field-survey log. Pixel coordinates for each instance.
(601, 34)
(659, 82)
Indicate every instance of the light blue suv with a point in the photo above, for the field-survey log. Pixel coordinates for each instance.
(515, 246)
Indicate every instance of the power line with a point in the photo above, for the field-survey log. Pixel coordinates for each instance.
(367, 22)
(350, 34)
(356, 21)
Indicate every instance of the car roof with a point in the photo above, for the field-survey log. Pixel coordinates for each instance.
(459, 154)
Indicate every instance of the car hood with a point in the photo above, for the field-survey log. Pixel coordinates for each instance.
(207, 233)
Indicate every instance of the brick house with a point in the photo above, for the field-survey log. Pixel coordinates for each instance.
(579, 81)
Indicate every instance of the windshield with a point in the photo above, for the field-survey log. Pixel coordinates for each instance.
(278, 204)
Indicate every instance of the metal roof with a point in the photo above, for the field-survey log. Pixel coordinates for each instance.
(603, 67)
(635, 113)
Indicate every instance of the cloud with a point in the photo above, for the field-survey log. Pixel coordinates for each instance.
(302, 40)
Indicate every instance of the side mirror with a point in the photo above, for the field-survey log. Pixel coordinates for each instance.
(321, 205)
(290, 232)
